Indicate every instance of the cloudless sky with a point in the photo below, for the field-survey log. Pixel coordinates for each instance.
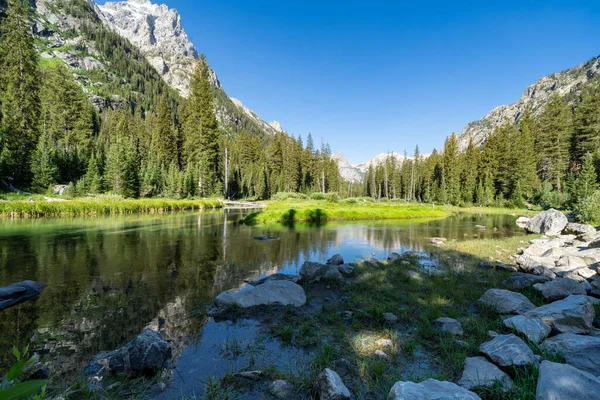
(377, 76)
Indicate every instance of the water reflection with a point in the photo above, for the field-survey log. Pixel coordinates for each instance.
(109, 278)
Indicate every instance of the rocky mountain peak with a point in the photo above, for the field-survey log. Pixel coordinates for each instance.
(276, 125)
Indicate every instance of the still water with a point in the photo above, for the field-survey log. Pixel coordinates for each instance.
(109, 278)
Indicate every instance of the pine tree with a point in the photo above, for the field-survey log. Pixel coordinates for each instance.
(19, 85)
(525, 156)
(44, 165)
(164, 143)
(468, 180)
(586, 126)
(587, 181)
(451, 174)
(93, 177)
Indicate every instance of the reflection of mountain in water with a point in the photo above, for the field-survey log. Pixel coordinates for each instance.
(109, 278)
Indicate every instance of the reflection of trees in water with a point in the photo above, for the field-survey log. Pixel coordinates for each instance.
(110, 278)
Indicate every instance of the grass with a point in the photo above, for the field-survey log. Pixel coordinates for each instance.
(70, 208)
(320, 211)
(493, 210)
(502, 250)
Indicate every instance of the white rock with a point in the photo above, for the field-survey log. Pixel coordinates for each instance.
(430, 389)
(479, 372)
(506, 302)
(565, 382)
(331, 386)
(508, 350)
(534, 328)
(582, 352)
(269, 293)
(549, 222)
(574, 314)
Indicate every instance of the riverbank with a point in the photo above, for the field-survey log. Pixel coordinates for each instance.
(85, 207)
(322, 211)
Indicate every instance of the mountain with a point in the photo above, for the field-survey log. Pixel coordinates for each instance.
(347, 170)
(379, 160)
(566, 83)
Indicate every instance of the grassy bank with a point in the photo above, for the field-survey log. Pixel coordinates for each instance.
(70, 208)
(320, 211)
(493, 210)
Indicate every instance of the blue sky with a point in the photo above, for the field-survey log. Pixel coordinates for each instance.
(375, 76)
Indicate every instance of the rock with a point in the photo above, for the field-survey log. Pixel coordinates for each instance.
(344, 366)
(281, 389)
(573, 228)
(528, 262)
(543, 271)
(539, 249)
(569, 263)
(574, 314)
(269, 293)
(346, 269)
(479, 372)
(335, 260)
(265, 238)
(550, 222)
(394, 257)
(41, 373)
(560, 288)
(562, 382)
(437, 240)
(60, 189)
(144, 355)
(480, 227)
(522, 222)
(449, 325)
(508, 350)
(385, 343)
(519, 282)
(555, 252)
(98, 364)
(251, 375)
(331, 387)
(430, 389)
(19, 292)
(389, 317)
(534, 328)
(275, 277)
(314, 272)
(506, 302)
(582, 352)
(381, 354)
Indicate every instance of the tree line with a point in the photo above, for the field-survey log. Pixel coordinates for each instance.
(51, 133)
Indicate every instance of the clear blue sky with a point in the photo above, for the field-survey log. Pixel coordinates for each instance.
(374, 76)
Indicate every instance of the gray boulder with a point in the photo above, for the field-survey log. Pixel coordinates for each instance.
(582, 352)
(562, 381)
(543, 271)
(558, 289)
(275, 277)
(574, 314)
(573, 228)
(394, 257)
(281, 389)
(522, 281)
(274, 292)
(346, 269)
(315, 272)
(335, 260)
(449, 325)
(479, 372)
(533, 328)
(508, 350)
(331, 386)
(19, 292)
(430, 389)
(550, 222)
(144, 355)
(506, 302)
(528, 262)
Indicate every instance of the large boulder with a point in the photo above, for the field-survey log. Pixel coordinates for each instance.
(274, 292)
(335, 260)
(574, 314)
(580, 351)
(550, 222)
(558, 289)
(18, 292)
(522, 281)
(528, 262)
(562, 382)
(573, 228)
(533, 328)
(274, 277)
(331, 386)
(508, 350)
(144, 355)
(479, 372)
(430, 389)
(506, 302)
(314, 272)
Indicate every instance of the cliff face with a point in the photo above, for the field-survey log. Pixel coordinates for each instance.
(536, 96)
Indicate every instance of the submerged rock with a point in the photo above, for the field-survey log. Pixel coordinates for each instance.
(19, 292)
(574, 314)
(331, 386)
(582, 352)
(265, 238)
(479, 372)
(506, 302)
(561, 381)
(550, 222)
(430, 389)
(144, 355)
(508, 350)
(275, 292)
(437, 240)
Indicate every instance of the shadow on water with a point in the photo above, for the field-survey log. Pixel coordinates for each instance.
(109, 278)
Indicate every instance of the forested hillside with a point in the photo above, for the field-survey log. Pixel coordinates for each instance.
(120, 129)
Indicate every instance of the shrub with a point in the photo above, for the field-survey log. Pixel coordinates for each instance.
(547, 197)
(332, 197)
(588, 209)
(318, 196)
(283, 196)
(384, 200)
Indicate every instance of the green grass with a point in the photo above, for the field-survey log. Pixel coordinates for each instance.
(493, 210)
(491, 249)
(69, 208)
(320, 211)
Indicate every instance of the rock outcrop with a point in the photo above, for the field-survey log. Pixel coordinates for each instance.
(272, 292)
(144, 355)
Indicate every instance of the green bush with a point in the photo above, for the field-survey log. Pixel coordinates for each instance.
(359, 200)
(588, 209)
(332, 197)
(547, 197)
(318, 196)
(384, 200)
(284, 196)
